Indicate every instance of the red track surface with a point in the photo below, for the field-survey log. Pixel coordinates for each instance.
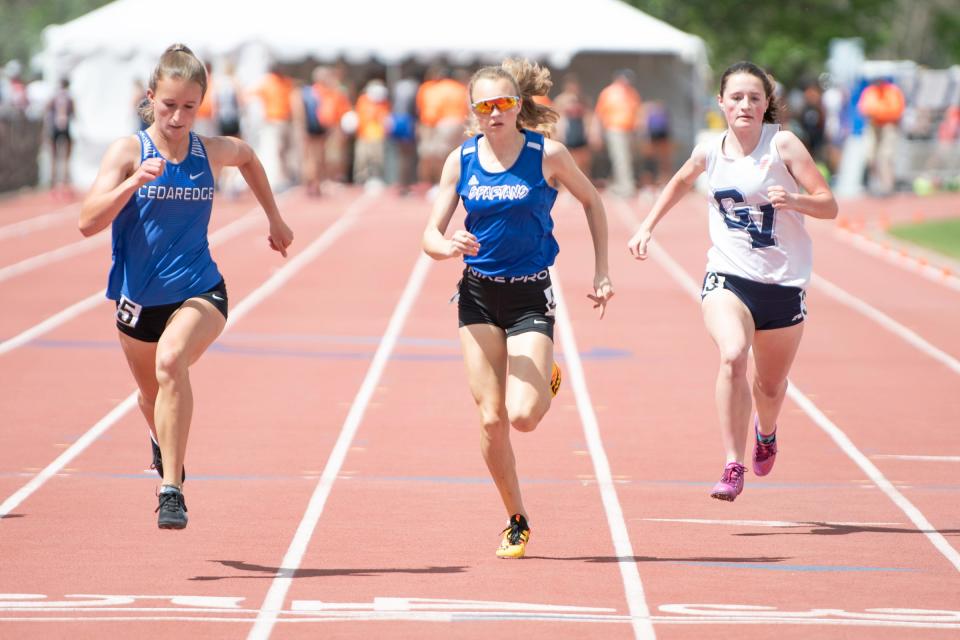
(402, 545)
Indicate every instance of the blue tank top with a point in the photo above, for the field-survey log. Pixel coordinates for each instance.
(509, 211)
(160, 249)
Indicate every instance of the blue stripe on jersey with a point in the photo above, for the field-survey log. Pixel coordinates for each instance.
(509, 211)
(160, 249)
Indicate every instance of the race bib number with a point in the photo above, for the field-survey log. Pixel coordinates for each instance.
(128, 312)
(711, 282)
(551, 302)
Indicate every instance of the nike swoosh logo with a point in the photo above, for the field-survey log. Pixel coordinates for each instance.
(216, 297)
(539, 322)
(194, 177)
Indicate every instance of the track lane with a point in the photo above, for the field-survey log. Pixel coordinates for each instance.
(85, 352)
(678, 375)
(415, 517)
(251, 453)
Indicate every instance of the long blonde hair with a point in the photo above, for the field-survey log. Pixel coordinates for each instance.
(529, 79)
(177, 61)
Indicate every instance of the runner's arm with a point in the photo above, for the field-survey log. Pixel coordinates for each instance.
(227, 151)
(117, 180)
(462, 242)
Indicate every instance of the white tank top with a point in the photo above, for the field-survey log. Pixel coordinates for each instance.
(750, 239)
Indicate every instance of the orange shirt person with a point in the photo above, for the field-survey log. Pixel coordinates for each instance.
(618, 112)
(444, 110)
(882, 104)
(618, 106)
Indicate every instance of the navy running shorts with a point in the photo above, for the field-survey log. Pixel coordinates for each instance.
(147, 323)
(772, 306)
(516, 304)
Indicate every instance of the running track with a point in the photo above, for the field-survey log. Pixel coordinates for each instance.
(335, 484)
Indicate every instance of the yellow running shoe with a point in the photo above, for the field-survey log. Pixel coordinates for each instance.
(515, 537)
(555, 379)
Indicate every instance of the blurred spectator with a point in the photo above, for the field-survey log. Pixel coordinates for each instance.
(204, 124)
(618, 111)
(373, 115)
(14, 91)
(661, 141)
(811, 121)
(335, 104)
(574, 123)
(835, 131)
(307, 111)
(226, 101)
(403, 131)
(882, 104)
(443, 107)
(58, 117)
(946, 156)
(139, 96)
(275, 131)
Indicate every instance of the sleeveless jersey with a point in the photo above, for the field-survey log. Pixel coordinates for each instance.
(751, 239)
(160, 250)
(509, 211)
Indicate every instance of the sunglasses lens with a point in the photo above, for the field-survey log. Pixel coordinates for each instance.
(484, 107)
(503, 103)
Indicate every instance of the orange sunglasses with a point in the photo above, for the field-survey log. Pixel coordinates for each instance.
(502, 103)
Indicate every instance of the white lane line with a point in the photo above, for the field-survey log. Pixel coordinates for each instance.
(633, 587)
(273, 601)
(22, 228)
(54, 255)
(258, 295)
(891, 456)
(772, 523)
(836, 434)
(756, 615)
(907, 335)
(52, 322)
(942, 275)
(61, 317)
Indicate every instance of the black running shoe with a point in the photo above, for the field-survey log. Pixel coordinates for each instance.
(172, 509)
(158, 461)
(513, 543)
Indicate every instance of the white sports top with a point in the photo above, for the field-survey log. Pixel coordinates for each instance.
(751, 239)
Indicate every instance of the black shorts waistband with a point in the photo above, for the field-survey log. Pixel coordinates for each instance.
(539, 276)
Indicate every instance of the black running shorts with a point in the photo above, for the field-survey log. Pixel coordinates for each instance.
(516, 304)
(147, 323)
(772, 306)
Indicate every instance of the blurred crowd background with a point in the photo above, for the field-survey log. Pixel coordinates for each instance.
(872, 87)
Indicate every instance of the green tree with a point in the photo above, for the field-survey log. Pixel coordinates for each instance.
(22, 23)
(792, 38)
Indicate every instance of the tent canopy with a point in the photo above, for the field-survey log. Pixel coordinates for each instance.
(459, 30)
(109, 53)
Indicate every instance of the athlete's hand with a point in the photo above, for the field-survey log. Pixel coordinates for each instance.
(780, 198)
(463, 243)
(638, 243)
(280, 236)
(604, 291)
(148, 171)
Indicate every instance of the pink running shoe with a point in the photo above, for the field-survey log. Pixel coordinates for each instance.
(731, 484)
(764, 455)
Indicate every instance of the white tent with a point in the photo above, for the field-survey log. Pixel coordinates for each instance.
(104, 51)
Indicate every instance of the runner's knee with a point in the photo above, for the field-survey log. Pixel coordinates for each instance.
(734, 359)
(526, 418)
(171, 366)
